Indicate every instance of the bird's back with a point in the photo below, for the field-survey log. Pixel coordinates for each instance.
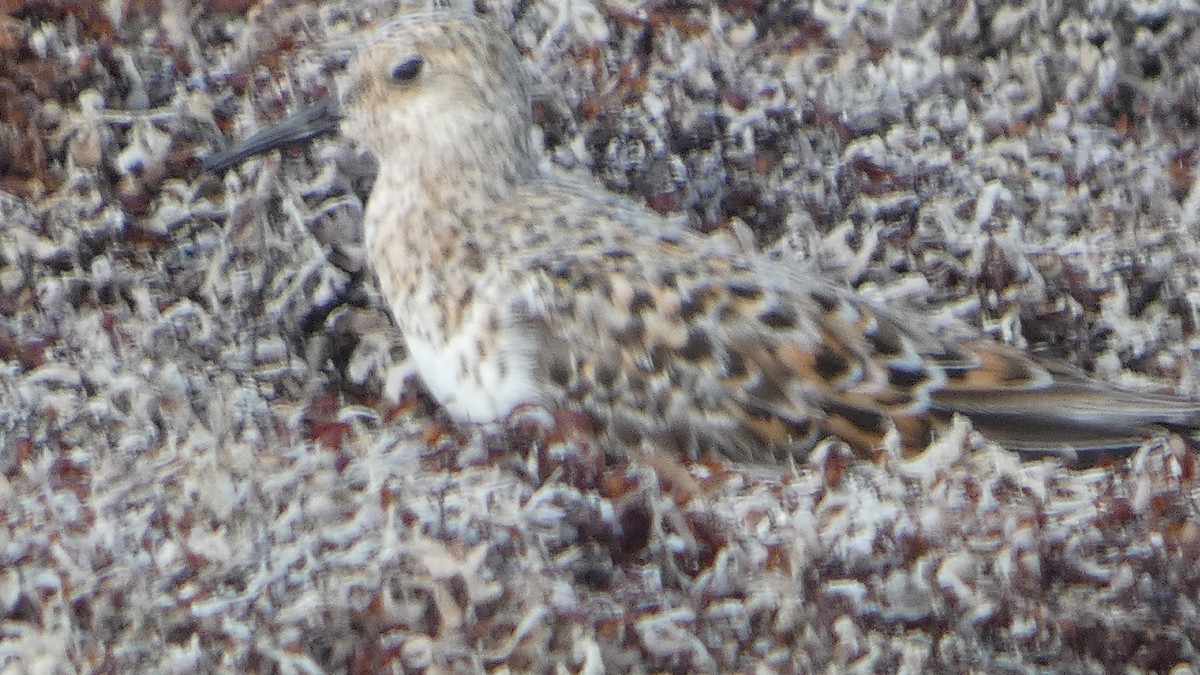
(688, 343)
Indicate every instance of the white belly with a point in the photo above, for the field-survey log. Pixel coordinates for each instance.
(477, 374)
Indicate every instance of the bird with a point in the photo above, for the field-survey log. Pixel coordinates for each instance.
(515, 285)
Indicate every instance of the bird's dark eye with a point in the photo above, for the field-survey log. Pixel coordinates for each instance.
(408, 69)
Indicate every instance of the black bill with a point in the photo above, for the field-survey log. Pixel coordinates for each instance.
(316, 120)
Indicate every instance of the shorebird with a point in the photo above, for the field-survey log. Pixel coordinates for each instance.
(514, 286)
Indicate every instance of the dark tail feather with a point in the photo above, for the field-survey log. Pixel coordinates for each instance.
(1075, 419)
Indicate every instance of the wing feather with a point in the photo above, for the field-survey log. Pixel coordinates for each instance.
(677, 336)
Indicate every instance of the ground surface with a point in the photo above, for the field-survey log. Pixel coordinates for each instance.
(211, 460)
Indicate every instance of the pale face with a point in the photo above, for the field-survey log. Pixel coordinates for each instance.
(425, 85)
(424, 88)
